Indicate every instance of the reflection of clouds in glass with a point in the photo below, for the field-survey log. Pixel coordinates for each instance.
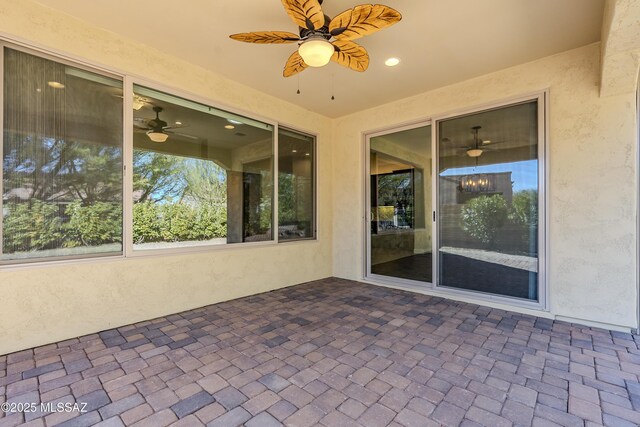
(524, 174)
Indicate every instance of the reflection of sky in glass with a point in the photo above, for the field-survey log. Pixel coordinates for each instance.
(523, 174)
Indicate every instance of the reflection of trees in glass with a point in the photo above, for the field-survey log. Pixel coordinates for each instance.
(60, 193)
(483, 216)
(524, 208)
(396, 189)
(32, 225)
(157, 176)
(205, 182)
(178, 199)
(48, 169)
(287, 210)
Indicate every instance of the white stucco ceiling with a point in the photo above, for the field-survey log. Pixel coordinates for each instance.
(439, 42)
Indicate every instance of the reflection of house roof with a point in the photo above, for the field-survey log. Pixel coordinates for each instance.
(25, 193)
(490, 174)
(137, 194)
(17, 193)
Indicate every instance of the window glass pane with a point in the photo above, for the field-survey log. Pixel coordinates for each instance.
(62, 160)
(296, 186)
(400, 189)
(202, 176)
(488, 201)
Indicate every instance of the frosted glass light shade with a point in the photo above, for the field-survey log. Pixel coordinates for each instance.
(157, 136)
(474, 152)
(316, 52)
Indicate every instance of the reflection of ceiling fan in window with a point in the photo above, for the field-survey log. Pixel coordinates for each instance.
(477, 149)
(157, 129)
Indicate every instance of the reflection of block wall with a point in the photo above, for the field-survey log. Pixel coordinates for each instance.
(252, 158)
(302, 171)
(392, 245)
(451, 194)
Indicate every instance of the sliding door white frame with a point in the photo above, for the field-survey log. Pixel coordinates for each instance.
(368, 275)
(542, 98)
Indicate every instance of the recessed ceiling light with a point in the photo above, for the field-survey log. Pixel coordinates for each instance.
(486, 141)
(179, 123)
(56, 85)
(229, 127)
(38, 90)
(307, 154)
(391, 62)
(294, 151)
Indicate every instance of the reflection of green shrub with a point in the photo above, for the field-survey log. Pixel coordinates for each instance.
(210, 222)
(524, 208)
(483, 216)
(31, 226)
(177, 222)
(147, 226)
(97, 224)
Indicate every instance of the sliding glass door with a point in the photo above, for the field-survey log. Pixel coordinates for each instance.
(399, 235)
(481, 230)
(488, 191)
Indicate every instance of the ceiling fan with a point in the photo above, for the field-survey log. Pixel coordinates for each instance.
(322, 39)
(157, 129)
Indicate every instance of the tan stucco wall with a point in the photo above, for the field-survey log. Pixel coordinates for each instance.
(592, 179)
(43, 305)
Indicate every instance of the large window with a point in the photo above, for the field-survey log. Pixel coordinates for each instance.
(201, 176)
(61, 161)
(195, 175)
(296, 185)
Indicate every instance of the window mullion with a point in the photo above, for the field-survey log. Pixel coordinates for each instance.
(127, 179)
(275, 227)
(2, 47)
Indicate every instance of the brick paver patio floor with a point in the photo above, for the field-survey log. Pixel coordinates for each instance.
(334, 353)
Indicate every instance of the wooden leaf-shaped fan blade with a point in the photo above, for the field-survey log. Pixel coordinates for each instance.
(295, 64)
(265, 37)
(305, 13)
(362, 20)
(351, 55)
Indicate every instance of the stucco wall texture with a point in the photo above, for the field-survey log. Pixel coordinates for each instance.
(592, 193)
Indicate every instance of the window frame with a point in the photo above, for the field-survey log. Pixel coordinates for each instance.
(314, 187)
(430, 288)
(5, 44)
(128, 81)
(542, 99)
(138, 81)
(367, 274)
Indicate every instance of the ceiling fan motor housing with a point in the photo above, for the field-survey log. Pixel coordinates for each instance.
(322, 31)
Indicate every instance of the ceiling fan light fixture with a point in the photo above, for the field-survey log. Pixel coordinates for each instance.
(157, 136)
(316, 52)
(474, 152)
